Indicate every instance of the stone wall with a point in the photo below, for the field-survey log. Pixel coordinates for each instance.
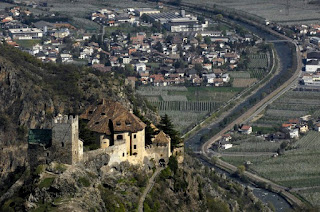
(158, 152)
(117, 153)
(66, 146)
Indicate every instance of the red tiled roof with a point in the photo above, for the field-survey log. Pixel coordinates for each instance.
(245, 127)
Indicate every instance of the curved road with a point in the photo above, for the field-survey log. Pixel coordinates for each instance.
(256, 109)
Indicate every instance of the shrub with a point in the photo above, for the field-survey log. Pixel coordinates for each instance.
(84, 181)
(46, 183)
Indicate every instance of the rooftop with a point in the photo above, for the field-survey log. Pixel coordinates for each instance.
(107, 116)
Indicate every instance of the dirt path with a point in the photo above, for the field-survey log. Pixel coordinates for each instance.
(148, 189)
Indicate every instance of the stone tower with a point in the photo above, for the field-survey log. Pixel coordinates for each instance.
(66, 146)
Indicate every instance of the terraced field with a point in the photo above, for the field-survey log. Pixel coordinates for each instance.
(187, 106)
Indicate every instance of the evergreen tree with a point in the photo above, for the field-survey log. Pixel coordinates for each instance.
(168, 128)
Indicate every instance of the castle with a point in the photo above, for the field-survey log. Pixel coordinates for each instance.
(118, 132)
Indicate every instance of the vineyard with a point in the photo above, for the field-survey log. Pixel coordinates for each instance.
(242, 83)
(239, 74)
(293, 104)
(254, 144)
(187, 106)
(296, 168)
(258, 67)
(258, 61)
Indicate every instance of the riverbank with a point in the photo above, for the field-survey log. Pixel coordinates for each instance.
(296, 67)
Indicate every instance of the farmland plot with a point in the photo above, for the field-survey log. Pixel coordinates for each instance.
(312, 195)
(239, 74)
(187, 106)
(255, 145)
(297, 168)
(243, 82)
(285, 113)
(293, 104)
(258, 61)
(299, 11)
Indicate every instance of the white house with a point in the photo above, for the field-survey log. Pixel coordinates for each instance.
(225, 77)
(317, 127)
(246, 129)
(141, 67)
(294, 133)
(312, 66)
(226, 146)
(126, 60)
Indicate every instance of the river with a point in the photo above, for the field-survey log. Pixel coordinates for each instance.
(285, 58)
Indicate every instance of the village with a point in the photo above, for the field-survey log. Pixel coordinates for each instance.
(172, 47)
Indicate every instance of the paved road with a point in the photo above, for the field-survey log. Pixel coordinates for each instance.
(242, 154)
(256, 109)
(148, 189)
(249, 115)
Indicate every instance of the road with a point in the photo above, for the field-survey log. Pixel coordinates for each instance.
(253, 111)
(148, 189)
(248, 115)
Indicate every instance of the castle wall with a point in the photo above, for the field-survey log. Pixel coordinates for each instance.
(158, 152)
(178, 152)
(116, 152)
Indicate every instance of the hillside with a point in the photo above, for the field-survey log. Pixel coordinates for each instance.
(32, 93)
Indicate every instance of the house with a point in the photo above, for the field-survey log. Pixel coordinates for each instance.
(225, 78)
(226, 146)
(294, 133)
(26, 33)
(226, 137)
(317, 127)
(140, 67)
(312, 66)
(246, 129)
(303, 128)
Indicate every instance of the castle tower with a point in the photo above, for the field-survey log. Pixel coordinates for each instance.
(66, 146)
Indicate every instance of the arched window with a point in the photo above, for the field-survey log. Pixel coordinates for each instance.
(62, 144)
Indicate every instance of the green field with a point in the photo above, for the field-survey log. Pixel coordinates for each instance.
(27, 44)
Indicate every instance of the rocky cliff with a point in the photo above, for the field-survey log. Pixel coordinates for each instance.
(31, 93)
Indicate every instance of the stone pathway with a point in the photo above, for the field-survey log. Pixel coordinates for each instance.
(148, 189)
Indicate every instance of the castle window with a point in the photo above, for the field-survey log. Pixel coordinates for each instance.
(62, 144)
(134, 136)
(90, 112)
(97, 122)
(122, 154)
(47, 154)
(103, 114)
(134, 146)
(118, 123)
(119, 137)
